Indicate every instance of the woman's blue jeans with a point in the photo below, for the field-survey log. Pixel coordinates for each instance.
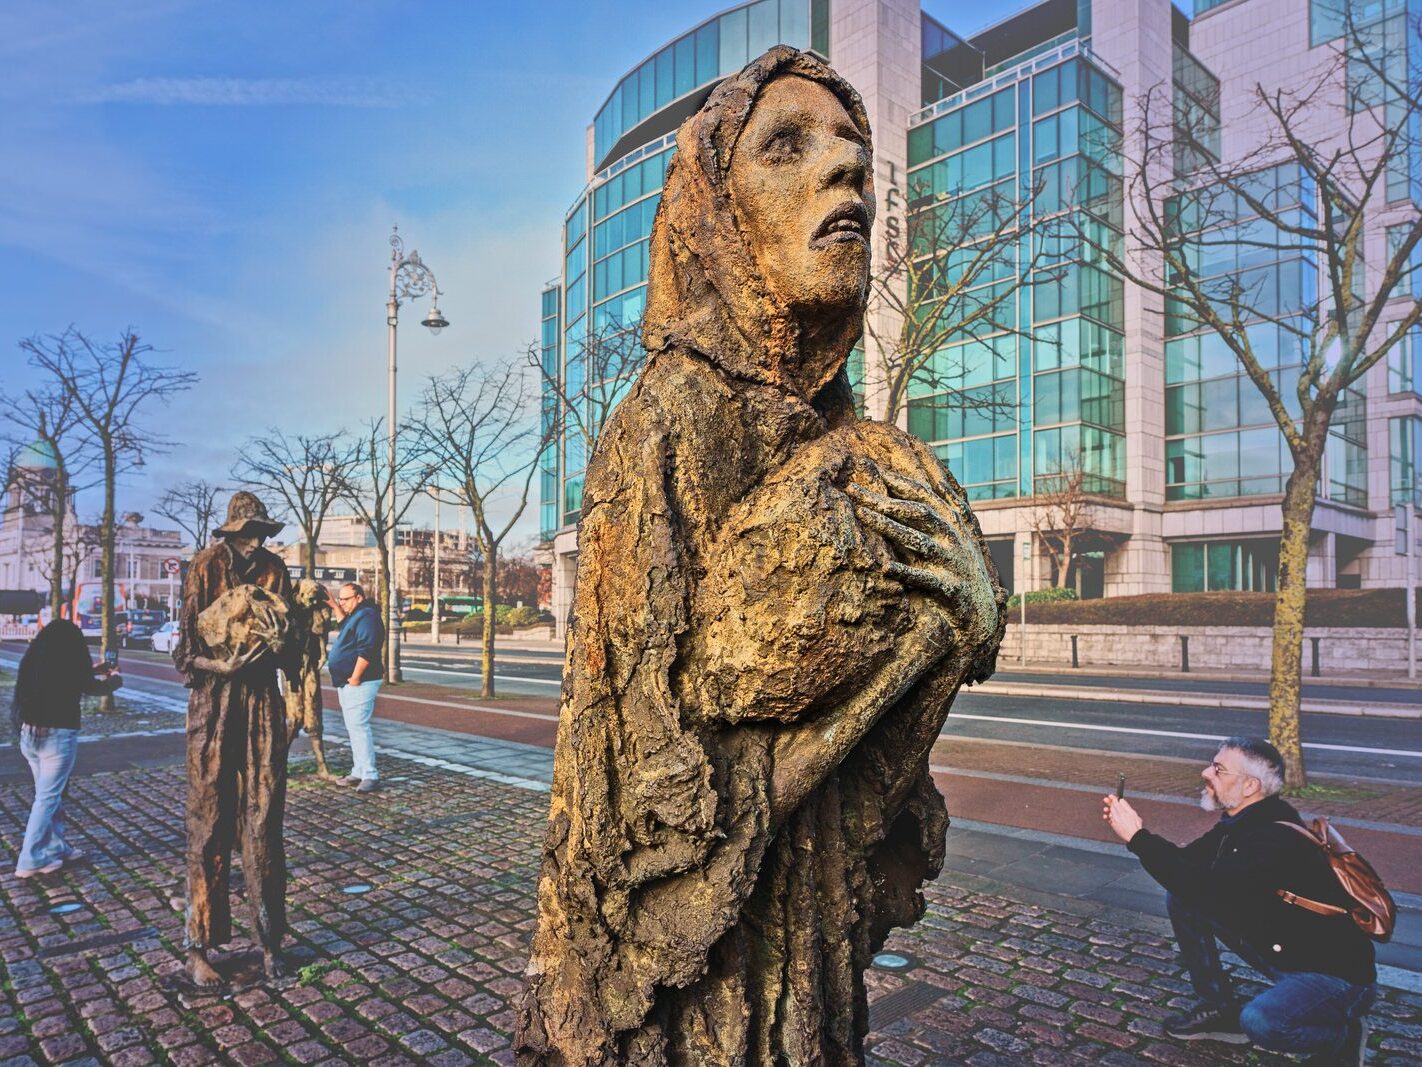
(1302, 1012)
(51, 758)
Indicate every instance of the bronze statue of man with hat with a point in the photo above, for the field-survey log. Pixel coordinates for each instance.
(237, 734)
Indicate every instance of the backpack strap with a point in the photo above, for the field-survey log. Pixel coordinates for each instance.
(1320, 841)
(1315, 906)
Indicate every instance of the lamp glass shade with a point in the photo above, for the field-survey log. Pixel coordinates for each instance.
(435, 320)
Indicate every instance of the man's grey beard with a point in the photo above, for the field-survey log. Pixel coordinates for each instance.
(1208, 802)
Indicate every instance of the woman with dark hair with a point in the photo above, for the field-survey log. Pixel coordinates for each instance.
(54, 673)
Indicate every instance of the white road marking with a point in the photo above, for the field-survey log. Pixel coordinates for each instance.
(476, 674)
(1167, 733)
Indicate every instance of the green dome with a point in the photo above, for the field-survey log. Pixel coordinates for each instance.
(38, 456)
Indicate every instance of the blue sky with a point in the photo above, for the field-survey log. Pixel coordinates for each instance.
(223, 177)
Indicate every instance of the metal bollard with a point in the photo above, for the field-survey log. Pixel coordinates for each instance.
(456, 637)
(1074, 661)
(1184, 653)
(1314, 667)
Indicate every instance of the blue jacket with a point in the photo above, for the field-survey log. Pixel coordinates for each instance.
(360, 635)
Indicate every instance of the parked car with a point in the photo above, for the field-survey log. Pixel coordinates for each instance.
(138, 629)
(165, 637)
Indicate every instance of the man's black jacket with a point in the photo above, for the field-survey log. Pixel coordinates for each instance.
(1232, 874)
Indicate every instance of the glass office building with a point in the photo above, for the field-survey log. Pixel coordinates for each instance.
(1182, 461)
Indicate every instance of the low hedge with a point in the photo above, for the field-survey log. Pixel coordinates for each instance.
(1042, 596)
(1361, 608)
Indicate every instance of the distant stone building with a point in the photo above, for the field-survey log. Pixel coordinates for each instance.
(346, 543)
(27, 541)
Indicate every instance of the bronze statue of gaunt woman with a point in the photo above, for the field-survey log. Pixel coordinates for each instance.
(776, 601)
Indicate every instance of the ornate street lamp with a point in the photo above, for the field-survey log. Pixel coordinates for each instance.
(410, 279)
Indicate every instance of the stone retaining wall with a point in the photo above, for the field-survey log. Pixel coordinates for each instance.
(1215, 648)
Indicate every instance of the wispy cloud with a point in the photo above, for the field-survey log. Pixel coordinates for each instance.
(253, 92)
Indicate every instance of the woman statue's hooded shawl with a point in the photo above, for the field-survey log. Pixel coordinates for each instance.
(719, 868)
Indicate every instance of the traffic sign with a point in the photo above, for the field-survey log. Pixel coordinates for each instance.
(172, 565)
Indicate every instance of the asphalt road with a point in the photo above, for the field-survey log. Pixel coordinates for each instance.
(1365, 747)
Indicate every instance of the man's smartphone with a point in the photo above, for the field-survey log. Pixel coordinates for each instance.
(111, 659)
(1120, 787)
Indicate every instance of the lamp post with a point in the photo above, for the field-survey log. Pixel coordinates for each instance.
(434, 590)
(410, 279)
(1022, 599)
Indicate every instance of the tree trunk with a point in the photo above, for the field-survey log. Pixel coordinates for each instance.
(383, 596)
(57, 516)
(107, 534)
(1064, 564)
(1286, 674)
(310, 556)
(486, 657)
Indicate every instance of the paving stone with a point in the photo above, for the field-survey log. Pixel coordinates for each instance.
(427, 967)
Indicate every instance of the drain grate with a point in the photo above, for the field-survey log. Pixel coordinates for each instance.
(902, 1003)
(119, 937)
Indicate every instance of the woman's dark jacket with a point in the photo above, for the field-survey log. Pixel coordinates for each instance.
(54, 673)
(1233, 872)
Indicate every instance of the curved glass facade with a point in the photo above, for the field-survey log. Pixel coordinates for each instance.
(605, 234)
(719, 46)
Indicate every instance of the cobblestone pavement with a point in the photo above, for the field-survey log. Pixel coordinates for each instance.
(411, 907)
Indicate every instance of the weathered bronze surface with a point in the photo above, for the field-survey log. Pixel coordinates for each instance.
(237, 737)
(776, 601)
(310, 617)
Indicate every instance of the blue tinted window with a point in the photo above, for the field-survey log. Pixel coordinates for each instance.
(708, 46)
(763, 26)
(665, 80)
(685, 65)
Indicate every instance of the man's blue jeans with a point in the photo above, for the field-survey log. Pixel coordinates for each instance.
(1302, 1012)
(51, 758)
(357, 707)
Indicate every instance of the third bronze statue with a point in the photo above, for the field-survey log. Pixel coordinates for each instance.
(776, 602)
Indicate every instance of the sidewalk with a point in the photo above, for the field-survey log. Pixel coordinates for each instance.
(410, 917)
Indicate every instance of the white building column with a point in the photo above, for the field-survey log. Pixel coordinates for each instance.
(876, 47)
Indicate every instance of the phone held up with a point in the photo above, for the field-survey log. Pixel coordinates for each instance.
(111, 659)
(1120, 787)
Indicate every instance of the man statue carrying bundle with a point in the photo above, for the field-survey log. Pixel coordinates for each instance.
(233, 627)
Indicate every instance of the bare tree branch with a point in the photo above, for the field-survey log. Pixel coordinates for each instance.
(193, 506)
(479, 435)
(112, 387)
(305, 472)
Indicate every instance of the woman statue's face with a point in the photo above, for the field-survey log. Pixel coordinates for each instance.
(800, 185)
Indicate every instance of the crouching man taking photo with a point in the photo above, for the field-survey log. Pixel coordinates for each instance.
(1224, 888)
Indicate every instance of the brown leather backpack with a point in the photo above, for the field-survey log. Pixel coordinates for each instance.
(1373, 910)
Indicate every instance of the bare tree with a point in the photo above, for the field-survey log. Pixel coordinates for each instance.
(479, 433)
(1060, 512)
(63, 570)
(305, 472)
(597, 375)
(1312, 188)
(193, 506)
(365, 489)
(49, 417)
(951, 275)
(112, 386)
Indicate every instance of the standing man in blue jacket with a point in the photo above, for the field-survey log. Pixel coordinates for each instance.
(354, 660)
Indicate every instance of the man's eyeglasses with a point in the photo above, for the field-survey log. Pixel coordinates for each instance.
(1220, 769)
(343, 599)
